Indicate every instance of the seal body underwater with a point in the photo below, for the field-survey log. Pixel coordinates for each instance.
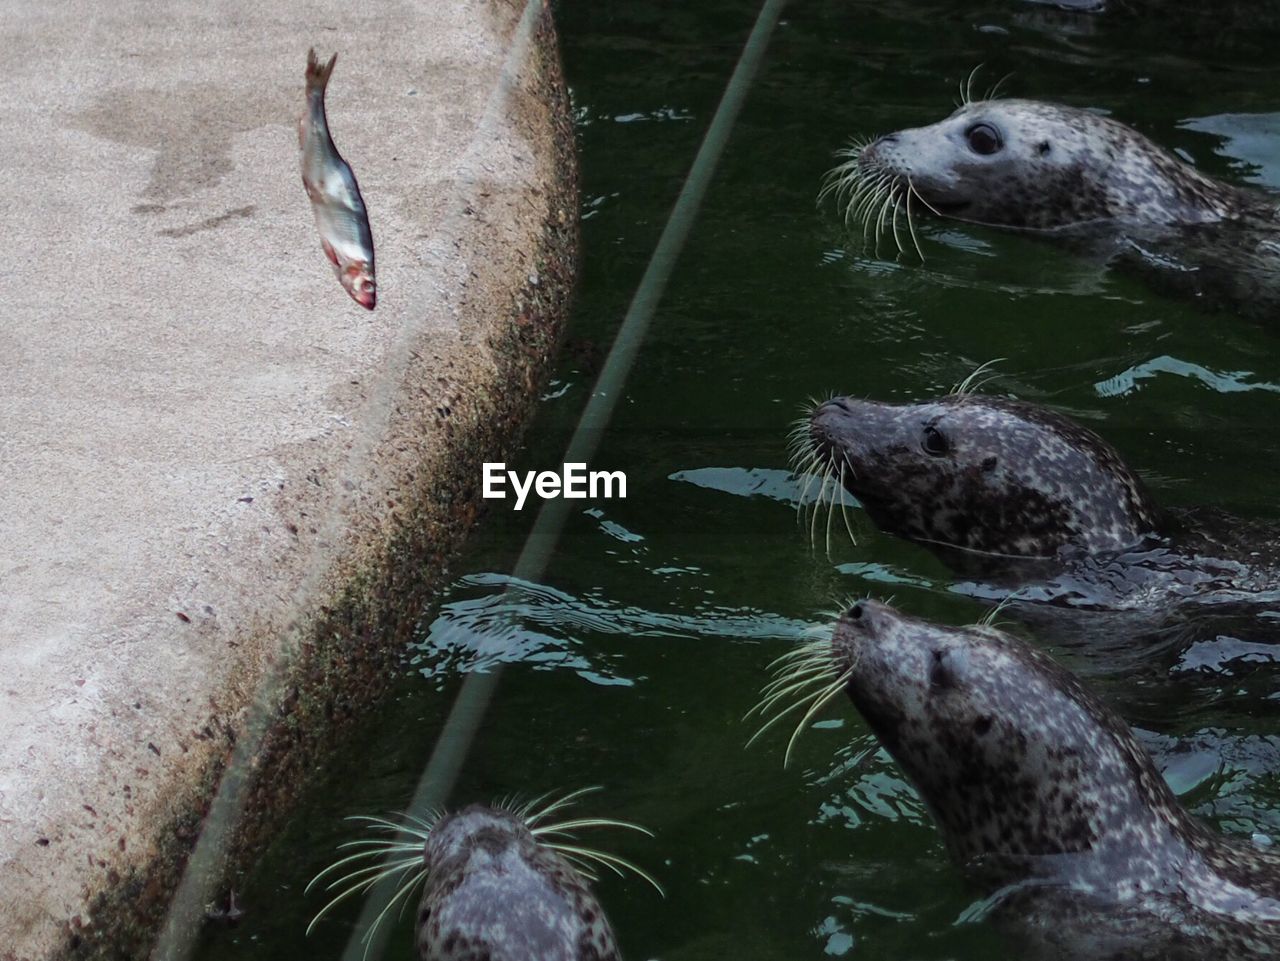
(1082, 178)
(1047, 799)
(1025, 496)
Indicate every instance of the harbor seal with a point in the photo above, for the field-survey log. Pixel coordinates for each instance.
(1023, 495)
(1042, 794)
(1076, 176)
(1036, 165)
(499, 883)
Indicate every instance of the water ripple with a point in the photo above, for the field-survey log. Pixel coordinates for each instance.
(496, 619)
(1224, 382)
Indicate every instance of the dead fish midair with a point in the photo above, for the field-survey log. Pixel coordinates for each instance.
(335, 195)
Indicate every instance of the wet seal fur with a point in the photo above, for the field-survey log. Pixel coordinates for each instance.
(1082, 178)
(1023, 495)
(499, 884)
(1043, 794)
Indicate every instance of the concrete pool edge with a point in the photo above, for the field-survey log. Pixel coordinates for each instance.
(375, 593)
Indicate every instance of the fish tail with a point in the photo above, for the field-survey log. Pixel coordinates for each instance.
(317, 75)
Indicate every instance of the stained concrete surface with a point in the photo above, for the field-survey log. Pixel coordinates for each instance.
(205, 446)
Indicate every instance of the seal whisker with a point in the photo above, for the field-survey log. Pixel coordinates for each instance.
(880, 220)
(803, 656)
(828, 499)
(806, 650)
(375, 872)
(968, 88)
(799, 449)
(912, 192)
(995, 91)
(582, 867)
(866, 212)
(351, 859)
(860, 196)
(863, 212)
(799, 688)
(785, 674)
(932, 209)
(980, 552)
(809, 477)
(800, 657)
(897, 204)
(401, 894)
(844, 514)
(382, 844)
(578, 823)
(875, 213)
(533, 819)
(611, 861)
(989, 618)
(419, 828)
(843, 177)
(825, 697)
(967, 385)
(831, 512)
(839, 179)
(813, 514)
(364, 886)
(805, 700)
(793, 676)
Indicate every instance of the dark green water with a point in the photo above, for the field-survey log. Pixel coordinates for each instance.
(633, 663)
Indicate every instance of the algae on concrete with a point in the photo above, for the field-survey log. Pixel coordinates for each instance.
(216, 468)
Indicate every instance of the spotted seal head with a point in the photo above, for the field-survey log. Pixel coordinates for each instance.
(493, 892)
(1041, 792)
(1012, 755)
(981, 474)
(1033, 165)
(499, 884)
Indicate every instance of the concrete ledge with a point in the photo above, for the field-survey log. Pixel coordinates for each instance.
(214, 464)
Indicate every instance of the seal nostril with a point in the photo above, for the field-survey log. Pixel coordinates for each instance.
(840, 402)
(855, 612)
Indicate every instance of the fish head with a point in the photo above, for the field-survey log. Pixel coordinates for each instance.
(357, 280)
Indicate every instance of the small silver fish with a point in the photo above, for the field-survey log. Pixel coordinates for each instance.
(335, 195)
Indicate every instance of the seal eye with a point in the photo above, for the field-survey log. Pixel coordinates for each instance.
(984, 139)
(934, 443)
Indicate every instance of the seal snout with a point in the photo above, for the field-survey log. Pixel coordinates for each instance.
(881, 142)
(829, 424)
(856, 625)
(874, 154)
